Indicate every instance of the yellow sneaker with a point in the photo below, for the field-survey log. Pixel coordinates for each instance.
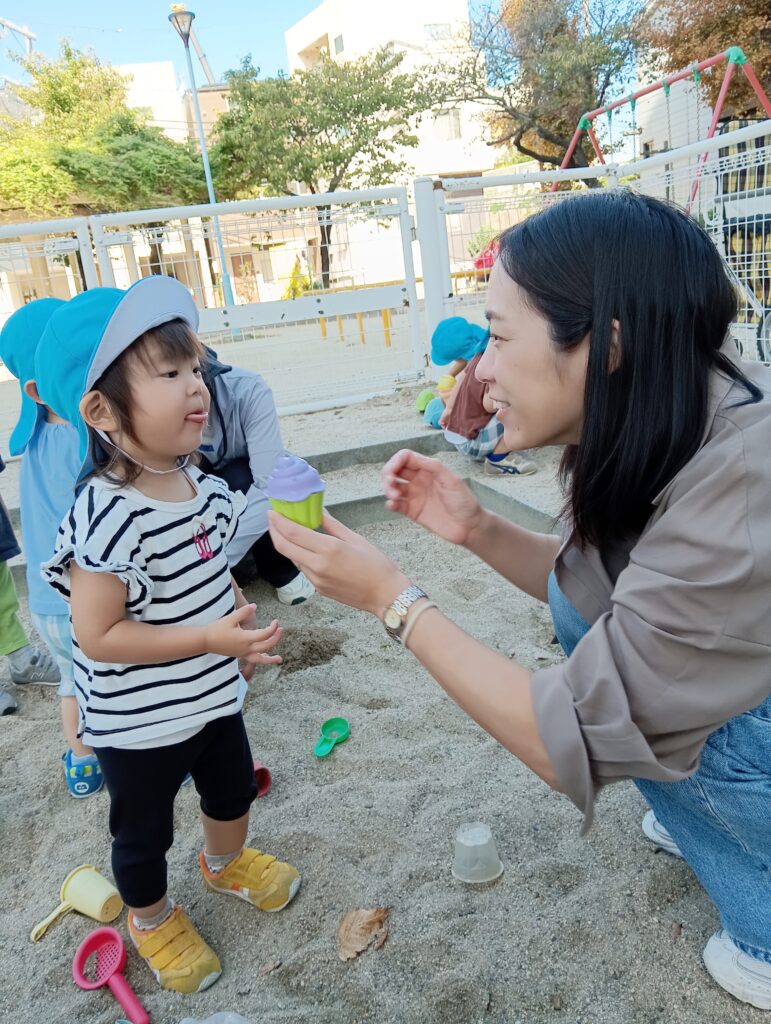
(176, 954)
(256, 877)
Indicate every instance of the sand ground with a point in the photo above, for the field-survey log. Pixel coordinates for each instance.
(584, 931)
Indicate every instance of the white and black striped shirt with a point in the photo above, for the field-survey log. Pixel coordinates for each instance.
(171, 556)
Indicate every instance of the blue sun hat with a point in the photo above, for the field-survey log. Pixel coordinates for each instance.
(19, 340)
(456, 338)
(83, 338)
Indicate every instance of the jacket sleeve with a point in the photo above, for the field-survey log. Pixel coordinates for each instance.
(680, 653)
(259, 423)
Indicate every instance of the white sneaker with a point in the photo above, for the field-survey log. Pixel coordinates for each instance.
(296, 591)
(657, 834)
(742, 975)
(512, 465)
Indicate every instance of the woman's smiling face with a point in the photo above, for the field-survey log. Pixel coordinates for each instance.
(539, 388)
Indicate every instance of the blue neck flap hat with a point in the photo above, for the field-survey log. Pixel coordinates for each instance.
(19, 340)
(456, 338)
(85, 336)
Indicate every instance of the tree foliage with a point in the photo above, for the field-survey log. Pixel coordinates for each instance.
(336, 125)
(83, 150)
(683, 32)
(538, 65)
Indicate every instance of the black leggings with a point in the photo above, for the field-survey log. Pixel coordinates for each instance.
(143, 784)
(262, 559)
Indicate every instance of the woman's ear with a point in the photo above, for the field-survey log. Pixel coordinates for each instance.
(96, 412)
(614, 361)
(31, 391)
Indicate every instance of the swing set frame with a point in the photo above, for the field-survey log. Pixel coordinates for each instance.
(734, 57)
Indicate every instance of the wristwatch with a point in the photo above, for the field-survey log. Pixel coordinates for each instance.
(395, 615)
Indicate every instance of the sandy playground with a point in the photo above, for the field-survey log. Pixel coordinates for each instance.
(601, 930)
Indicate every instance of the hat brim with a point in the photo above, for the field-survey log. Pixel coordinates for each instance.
(147, 304)
(25, 425)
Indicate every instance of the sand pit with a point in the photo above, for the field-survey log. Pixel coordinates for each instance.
(575, 930)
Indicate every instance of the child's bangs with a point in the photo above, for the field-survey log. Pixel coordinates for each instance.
(173, 342)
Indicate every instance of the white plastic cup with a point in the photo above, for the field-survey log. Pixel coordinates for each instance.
(476, 856)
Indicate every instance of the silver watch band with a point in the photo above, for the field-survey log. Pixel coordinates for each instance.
(395, 615)
(407, 598)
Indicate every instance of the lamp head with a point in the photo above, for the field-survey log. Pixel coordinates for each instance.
(182, 20)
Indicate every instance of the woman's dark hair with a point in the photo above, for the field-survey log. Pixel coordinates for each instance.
(586, 261)
(174, 341)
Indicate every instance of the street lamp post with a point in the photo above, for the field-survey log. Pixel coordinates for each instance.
(183, 22)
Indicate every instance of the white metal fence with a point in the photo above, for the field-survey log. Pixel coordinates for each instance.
(324, 287)
(326, 301)
(726, 182)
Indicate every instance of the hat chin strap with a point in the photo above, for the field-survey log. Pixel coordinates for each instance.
(149, 469)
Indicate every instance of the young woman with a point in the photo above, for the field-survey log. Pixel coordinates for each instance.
(609, 317)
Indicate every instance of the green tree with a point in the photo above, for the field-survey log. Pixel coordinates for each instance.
(538, 65)
(334, 126)
(81, 147)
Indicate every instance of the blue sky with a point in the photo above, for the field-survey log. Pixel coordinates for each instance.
(135, 31)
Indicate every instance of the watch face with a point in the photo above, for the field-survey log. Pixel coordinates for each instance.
(392, 619)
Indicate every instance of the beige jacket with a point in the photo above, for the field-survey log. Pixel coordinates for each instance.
(681, 640)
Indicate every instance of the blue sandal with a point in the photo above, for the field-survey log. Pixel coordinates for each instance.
(83, 779)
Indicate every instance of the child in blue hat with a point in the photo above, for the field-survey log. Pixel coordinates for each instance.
(49, 469)
(158, 623)
(468, 418)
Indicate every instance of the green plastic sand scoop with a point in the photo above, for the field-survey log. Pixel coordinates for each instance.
(334, 730)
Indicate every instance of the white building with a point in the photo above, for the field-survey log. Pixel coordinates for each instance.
(451, 140)
(153, 86)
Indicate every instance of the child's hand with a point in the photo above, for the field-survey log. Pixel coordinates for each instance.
(228, 636)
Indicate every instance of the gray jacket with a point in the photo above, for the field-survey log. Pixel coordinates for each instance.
(243, 423)
(680, 640)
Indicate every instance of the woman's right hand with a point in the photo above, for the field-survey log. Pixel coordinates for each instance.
(427, 492)
(227, 636)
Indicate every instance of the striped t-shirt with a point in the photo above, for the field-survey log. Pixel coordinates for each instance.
(171, 556)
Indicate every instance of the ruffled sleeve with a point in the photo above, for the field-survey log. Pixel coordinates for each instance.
(99, 534)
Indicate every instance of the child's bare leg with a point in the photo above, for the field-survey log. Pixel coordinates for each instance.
(501, 448)
(224, 837)
(70, 727)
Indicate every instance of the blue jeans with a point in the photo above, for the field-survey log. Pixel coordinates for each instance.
(720, 817)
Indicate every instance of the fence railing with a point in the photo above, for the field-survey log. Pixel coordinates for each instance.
(459, 217)
(326, 301)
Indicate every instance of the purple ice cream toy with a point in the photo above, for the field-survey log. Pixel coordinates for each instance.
(296, 490)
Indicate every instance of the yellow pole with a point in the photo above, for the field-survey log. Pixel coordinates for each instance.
(386, 314)
(340, 328)
(323, 326)
(360, 320)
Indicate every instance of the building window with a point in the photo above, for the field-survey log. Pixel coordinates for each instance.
(447, 125)
(436, 33)
(338, 44)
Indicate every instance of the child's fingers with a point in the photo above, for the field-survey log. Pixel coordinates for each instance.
(267, 644)
(263, 634)
(265, 659)
(242, 614)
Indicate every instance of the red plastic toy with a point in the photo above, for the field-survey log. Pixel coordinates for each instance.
(109, 952)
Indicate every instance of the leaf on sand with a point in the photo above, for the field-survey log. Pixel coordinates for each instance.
(676, 930)
(361, 928)
(271, 965)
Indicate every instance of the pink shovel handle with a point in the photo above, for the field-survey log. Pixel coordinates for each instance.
(120, 988)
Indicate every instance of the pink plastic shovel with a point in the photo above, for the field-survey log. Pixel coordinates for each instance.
(106, 947)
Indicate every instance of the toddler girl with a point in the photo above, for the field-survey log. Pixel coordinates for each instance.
(158, 623)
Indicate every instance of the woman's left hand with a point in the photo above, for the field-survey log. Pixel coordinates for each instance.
(339, 563)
